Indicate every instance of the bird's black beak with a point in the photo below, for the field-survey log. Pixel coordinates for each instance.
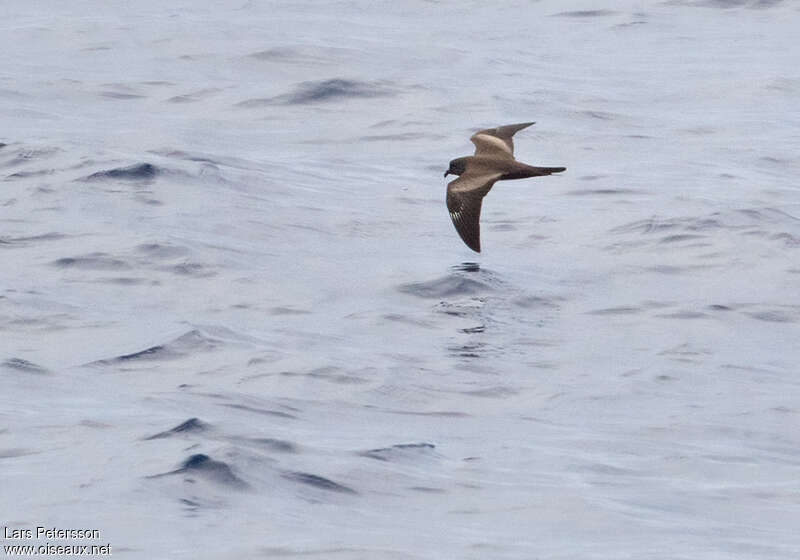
(446, 173)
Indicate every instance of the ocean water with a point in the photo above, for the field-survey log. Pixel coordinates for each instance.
(236, 320)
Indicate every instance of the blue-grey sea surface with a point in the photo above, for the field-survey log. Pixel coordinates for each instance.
(237, 322)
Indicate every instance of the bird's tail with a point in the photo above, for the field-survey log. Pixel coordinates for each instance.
(536, 171)
(523, 170)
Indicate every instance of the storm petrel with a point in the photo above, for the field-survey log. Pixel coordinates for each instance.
(493, 161)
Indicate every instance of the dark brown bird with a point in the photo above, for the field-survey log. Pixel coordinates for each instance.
(493, 161)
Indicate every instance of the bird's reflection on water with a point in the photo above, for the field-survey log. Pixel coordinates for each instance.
(466, 267)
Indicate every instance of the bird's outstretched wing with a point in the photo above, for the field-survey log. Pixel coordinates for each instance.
(464, 199)
(497, 142)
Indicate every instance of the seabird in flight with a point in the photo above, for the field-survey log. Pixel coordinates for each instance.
(493, 161)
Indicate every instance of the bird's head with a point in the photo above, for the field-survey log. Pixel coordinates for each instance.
(457, 167)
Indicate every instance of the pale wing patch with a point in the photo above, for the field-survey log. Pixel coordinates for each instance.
(486, 144)
(472, 181)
